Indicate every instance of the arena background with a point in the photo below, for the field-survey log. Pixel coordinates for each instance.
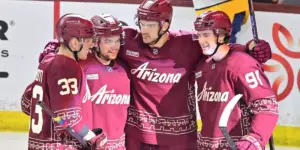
(26, 26)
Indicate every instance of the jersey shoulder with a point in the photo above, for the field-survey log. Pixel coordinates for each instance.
(184, 38)
(89, 61)
(181, 34)
(237, 60)
(60, 65)
(129, 32)
(185, 43)
(123, 65)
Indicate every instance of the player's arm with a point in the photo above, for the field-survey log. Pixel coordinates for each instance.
(124, 65)
(128, 35)
(26, 99)
(50, 47)
(64, 83)
(261, 101)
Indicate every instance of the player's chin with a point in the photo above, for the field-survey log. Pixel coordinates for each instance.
(83, 57)
(208, 52)
(112, 57)
(146, 40)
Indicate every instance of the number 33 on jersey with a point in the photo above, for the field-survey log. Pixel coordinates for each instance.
(67, 86)
(62, 87)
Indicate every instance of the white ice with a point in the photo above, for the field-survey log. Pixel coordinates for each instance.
(18, 141)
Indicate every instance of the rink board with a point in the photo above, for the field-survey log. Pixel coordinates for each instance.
(18, 122)
(280, 29)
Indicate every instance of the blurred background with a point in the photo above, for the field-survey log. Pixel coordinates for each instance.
(289, 2)
(27, 25)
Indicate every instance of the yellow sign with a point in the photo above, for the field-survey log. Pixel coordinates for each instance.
(230, 7)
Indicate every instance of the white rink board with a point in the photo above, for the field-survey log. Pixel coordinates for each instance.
(289, 106)
(30, 26)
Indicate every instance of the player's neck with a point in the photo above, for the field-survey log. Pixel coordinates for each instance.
(161, 41)
(66, 52)
(221, 53)
(103, 61)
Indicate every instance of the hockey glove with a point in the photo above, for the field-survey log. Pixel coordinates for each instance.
(49, 48)
(261, 51)
(249, 143)
(99, 141)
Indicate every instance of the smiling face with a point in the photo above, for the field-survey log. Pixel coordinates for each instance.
(109, 47)
(208, 40)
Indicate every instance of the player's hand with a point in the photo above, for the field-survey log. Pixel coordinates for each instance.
(249, 143)
(49, 48)
(99, 141)
(261, 51)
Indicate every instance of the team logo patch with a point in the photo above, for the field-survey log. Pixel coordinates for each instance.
(155, 51)
(213, 66)
(109, 69)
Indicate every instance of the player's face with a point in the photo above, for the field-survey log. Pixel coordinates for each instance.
(149, 30)
(208, 41)
(87, 45)
(110, 46)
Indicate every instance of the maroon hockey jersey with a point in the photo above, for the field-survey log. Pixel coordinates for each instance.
(61, 85)
(110, 95)
(255, 114)
(162, 107)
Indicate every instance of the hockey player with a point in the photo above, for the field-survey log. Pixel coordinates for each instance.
(61, 85)
(162, 112)
(108, 81)
(222, 74)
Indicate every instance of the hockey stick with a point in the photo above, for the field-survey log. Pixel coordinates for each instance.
(253, 22)
(61, 122)
(224, 119)
(255, 38)
(271, 143)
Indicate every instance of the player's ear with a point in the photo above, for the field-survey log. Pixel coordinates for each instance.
(165, 26)
(74, 43)
(222, 36)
